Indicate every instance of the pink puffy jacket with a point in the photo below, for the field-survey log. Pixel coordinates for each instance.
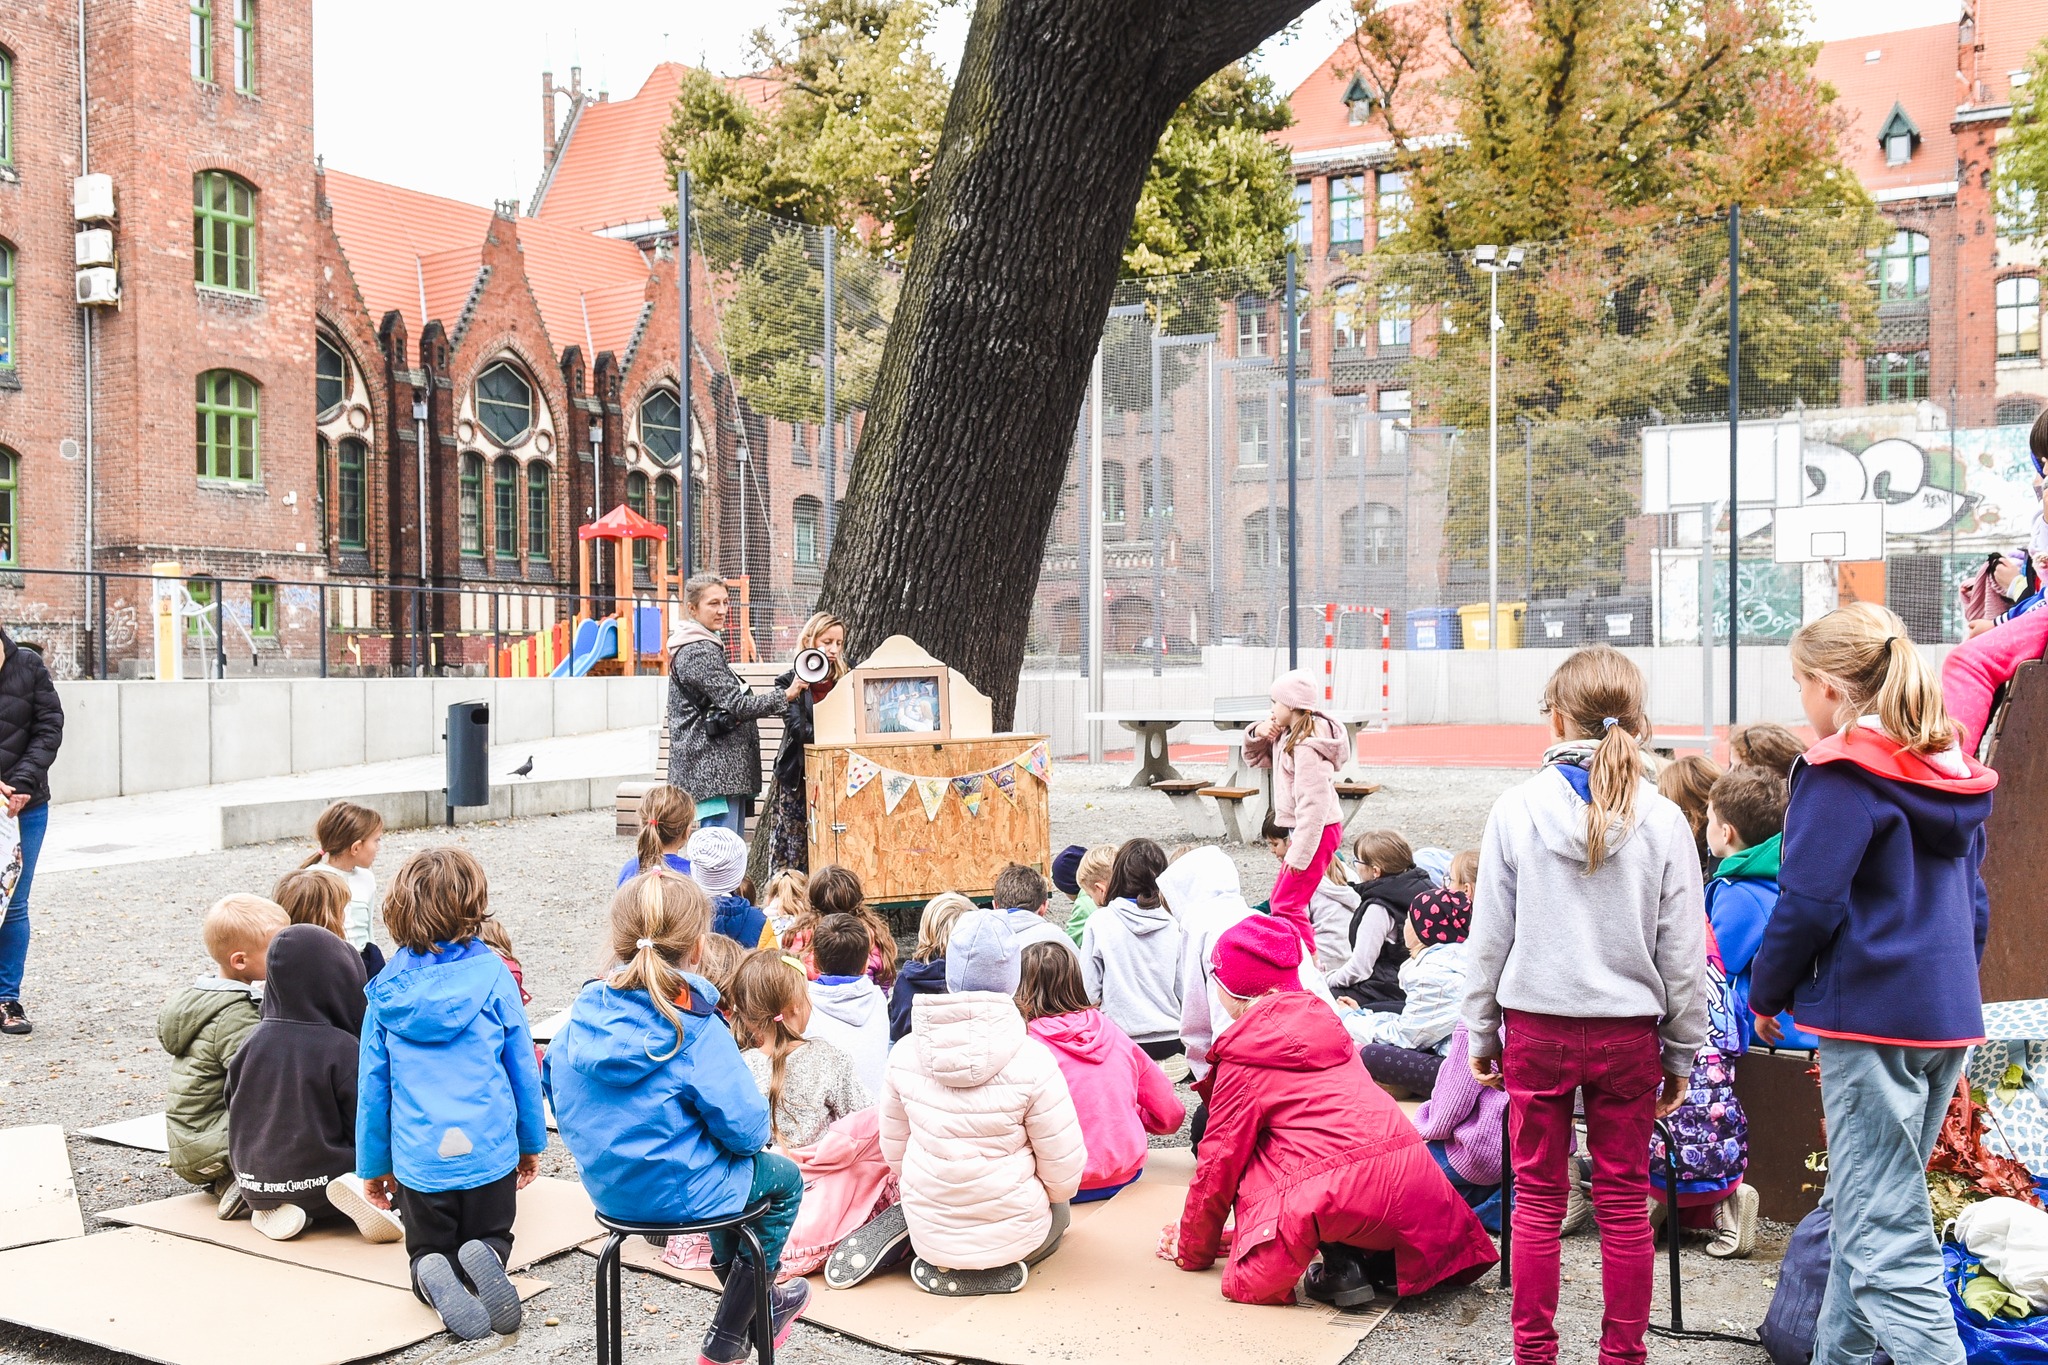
(1304, 779)
(978, 1125)
(1119, 1092)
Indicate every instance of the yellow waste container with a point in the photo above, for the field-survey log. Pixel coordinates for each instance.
(1472, 622)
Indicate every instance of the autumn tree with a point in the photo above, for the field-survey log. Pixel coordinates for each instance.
(2020, 173)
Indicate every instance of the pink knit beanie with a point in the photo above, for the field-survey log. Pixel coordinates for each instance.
(1256, 955)
(1296, 689)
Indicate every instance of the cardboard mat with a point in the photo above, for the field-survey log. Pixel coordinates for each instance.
(37, 1200)
(182, 1302)
(146, 1134)
(554, 1217)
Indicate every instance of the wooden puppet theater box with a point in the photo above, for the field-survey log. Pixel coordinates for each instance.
(908, 786)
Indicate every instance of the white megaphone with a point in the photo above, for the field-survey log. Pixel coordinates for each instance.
(812, 666)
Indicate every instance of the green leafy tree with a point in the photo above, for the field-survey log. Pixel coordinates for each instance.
(1220, 191)
(2020, 173)
(1619, 131)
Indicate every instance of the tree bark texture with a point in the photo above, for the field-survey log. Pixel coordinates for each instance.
(1053, 121)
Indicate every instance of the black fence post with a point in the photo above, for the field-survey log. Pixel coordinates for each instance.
(100, 633)
(220, 628)
(320, 594)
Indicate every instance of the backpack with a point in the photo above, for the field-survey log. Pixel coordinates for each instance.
(1790, 1323)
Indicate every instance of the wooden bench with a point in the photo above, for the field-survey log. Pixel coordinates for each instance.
(1350, 797)
(1229, 803)
(1186, 795)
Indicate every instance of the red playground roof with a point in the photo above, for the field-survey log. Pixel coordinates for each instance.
(622, 523)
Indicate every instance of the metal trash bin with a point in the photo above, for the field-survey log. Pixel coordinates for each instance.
(469, 755)
(1433, 628)
(1557, 623)
(1618, 621)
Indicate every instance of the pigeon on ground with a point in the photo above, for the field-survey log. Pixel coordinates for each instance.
(525, 768)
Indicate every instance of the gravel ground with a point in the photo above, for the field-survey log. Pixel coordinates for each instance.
(111, 945)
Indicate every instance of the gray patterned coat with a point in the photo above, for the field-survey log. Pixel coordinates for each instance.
(730, 765)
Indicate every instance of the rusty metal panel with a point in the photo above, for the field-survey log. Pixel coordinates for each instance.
(1782, 1103)
(2016, 865)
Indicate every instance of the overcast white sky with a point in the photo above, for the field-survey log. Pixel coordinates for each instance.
(443, 96)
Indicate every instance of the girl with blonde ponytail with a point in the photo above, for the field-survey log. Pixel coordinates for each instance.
(658, 1110)
(1874, 946)
(667, 817)
(1585, 972)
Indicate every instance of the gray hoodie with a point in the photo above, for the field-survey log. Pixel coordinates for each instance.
(1628, 941)
(1130, 961)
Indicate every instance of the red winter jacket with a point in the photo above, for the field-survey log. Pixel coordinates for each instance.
(1309, 1149)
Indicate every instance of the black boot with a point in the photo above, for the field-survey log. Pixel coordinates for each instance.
(730, 1340)
(1339, 1279)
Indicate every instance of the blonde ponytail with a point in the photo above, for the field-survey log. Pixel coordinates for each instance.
(1600, 696)
(1864, 652)
(659, 921)
(666, 814)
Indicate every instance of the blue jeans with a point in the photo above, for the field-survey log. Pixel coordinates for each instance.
(14, 927)
(1884, 1105)
(776, 1179)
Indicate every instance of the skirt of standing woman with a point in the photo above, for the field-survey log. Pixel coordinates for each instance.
(789, 832)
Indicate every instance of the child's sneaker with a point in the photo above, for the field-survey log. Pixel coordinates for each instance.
(232, 1204)
(461, 1311)
(1735, 1224)
(494, 1289)
(280, 1224)
(346, 1193)
(961, 1284)
(1578, 1209)
(868, 1249)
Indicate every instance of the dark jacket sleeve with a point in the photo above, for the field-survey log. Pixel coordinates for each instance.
(705, 676)
(1827, 828)
(45, 732)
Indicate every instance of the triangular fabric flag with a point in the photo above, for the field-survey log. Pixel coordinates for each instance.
(1037, 762)
(971, 793)
(859, 772)
(1004, 777)
(894, 785)
(931, 791)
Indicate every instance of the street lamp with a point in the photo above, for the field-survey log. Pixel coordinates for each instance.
(1493, 262)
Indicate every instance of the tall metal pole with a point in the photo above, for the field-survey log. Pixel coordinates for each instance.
(689, 527)
(1293, 452)
(830, 453)
(1154, 501)
(1734, 443)
(1095, 588)
(1493, 459)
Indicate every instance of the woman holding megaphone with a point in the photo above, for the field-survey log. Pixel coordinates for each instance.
(817, 667)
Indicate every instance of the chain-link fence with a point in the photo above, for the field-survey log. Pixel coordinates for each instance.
(1568, 473)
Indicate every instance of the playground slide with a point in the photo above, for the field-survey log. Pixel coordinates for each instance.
(594, 640)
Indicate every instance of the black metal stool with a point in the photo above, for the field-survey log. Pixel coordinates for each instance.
(610, 1315)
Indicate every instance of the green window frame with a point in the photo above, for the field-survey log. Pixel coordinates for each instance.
(471, 506)
(330, 376)
(10, 507)
(504, 403)
(352, 487)
(806, 533)
(537, 518)
(665, 516)
(224, 232)
(505, 508)
(263, 608)
(6, 304)
(1347, 211)
(202, 40)
(245, 46)
(229, 427)
(1900, 269)
(6, 107)
(636, 500)
(201, 592)
(1895, 377)
(661, 426)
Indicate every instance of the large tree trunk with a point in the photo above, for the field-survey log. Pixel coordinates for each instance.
(1053, 121)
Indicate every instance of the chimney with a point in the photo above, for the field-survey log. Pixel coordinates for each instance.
(547, 117)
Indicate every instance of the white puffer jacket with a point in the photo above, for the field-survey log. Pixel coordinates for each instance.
(979, 1128)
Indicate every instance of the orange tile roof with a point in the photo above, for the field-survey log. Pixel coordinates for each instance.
(420, 253)
(1915, 68)
(609, 172)
(2008, 31)
(1322, 121)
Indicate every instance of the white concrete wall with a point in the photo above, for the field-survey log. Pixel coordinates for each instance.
(125, 738)
(1425, 687)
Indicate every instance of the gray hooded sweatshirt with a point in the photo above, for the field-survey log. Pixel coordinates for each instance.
(1628, 941)
(1130, 961)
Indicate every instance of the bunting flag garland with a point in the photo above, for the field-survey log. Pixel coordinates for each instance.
(894, 785)
(971, 794)
(1004, 778)
(931, 791)
(1037, 761)
(859, 772)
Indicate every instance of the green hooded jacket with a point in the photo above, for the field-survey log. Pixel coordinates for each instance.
(202, 1027)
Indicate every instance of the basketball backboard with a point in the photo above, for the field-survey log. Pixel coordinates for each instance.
(1829, 531)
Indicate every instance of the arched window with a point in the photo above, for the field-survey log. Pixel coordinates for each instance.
(636, 500)
(224, 231)
(2016, 412)
(1370, 536)
(661, 426)
(228, 430)
(1899, 268)
(352, 486)
(330, 376)
(1265, 546)
(504, 402)
(1344, 319)
(505, 508)
(665, 517)
(470, 508)
(263, 608)
(537, 518)
(809, 535)
(1397, 324)
(10, 507)
(2019, 317)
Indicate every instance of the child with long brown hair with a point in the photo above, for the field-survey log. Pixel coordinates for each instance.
(659, 1112)
(1688, 783)
(667, 817)
(310, 895)
(1766, 744)
(835, 890)
(786, 903)
(1874, 946)
(1585, 970)
(349, 836)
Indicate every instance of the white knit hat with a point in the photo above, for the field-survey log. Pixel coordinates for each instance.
(718, 859)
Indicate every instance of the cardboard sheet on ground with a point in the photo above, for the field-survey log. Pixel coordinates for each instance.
(146, 1134)
(554, 1216)
(37, 1200)
(135, 1291)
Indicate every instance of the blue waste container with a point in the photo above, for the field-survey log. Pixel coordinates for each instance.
(1433, 628)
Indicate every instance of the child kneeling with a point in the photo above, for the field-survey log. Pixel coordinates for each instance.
(1308, 1152)
(659, 1112)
